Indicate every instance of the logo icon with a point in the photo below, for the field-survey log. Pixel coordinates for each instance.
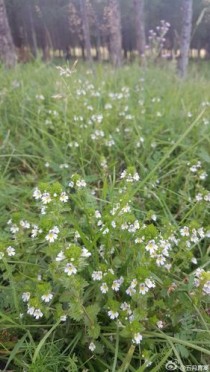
(171, 366)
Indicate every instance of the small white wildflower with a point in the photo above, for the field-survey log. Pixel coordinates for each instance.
(85, 253)
(105, 231)
(199, 197)
(151, 247)
(160, 261)
(26, 296)
(47, 298)
(206, 287)
(113, 314)
(43, 210)
(150, 283)
(143, 289)
(46, 199)
(160, 324)
(14, 229)
(134, 283)
(63, 318)
(185, 231)
(207, 197)
(194, 261)
(97, 275)
(116, 285)
(37, 314)
(92, 346)
(104, 288)
(113, 223)
(25, 224)
(137, 338)
(81, 183)
(30, 310)
(51, 236)
(64, 197)
(130, 291)
(70, 269)
(97, 214)
(37, 194)
(10, 251)
(203, 176)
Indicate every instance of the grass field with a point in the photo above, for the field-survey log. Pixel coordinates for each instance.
(104, 249)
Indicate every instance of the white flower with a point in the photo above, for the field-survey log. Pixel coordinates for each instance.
(46, 198)
(199, 197)
(26, 296)
(51, 236)
(37, 314)
(160, 260)
(97, 214)
(151, 247)
(126, 307)
(203, 176)
(92, 346)
(116, 285)
(150, 283)
(14, 229)
(113, 223)
(160, 324)
(105, 231)
(130, 291)
(206, 287)
(85, 253)
(113, 314)
(25, 224)
(30, 310)
(47, 298)
(194, 261)
(81, 183)
(185, 231)
(104, 288)
(63, 318)
(60, 257)
(137, 338)
(37, 194)
(143, 289)
(134, 283)
(70, 269)
(10, 251)
(43, 210)
(97, 275)
(64, 197)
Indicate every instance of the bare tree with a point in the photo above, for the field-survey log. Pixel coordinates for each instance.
(115, 33)
(7, 48)
(86, 29)
(140, 27)
(187, 13)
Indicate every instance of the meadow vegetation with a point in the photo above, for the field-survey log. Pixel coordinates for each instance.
(104, 249)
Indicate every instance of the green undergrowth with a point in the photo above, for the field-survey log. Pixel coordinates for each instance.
(104, 248)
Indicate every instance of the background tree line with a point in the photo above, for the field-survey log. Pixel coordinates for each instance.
(106, 29)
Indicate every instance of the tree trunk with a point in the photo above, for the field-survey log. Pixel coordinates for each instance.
(7, 48)
(185, 37)
(86, 29)
(140, 27)
(115, 33)
(33, 32)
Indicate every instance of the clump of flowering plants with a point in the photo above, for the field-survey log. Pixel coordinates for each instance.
(95, 259)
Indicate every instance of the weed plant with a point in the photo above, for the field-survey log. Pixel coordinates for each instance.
(104, 250)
